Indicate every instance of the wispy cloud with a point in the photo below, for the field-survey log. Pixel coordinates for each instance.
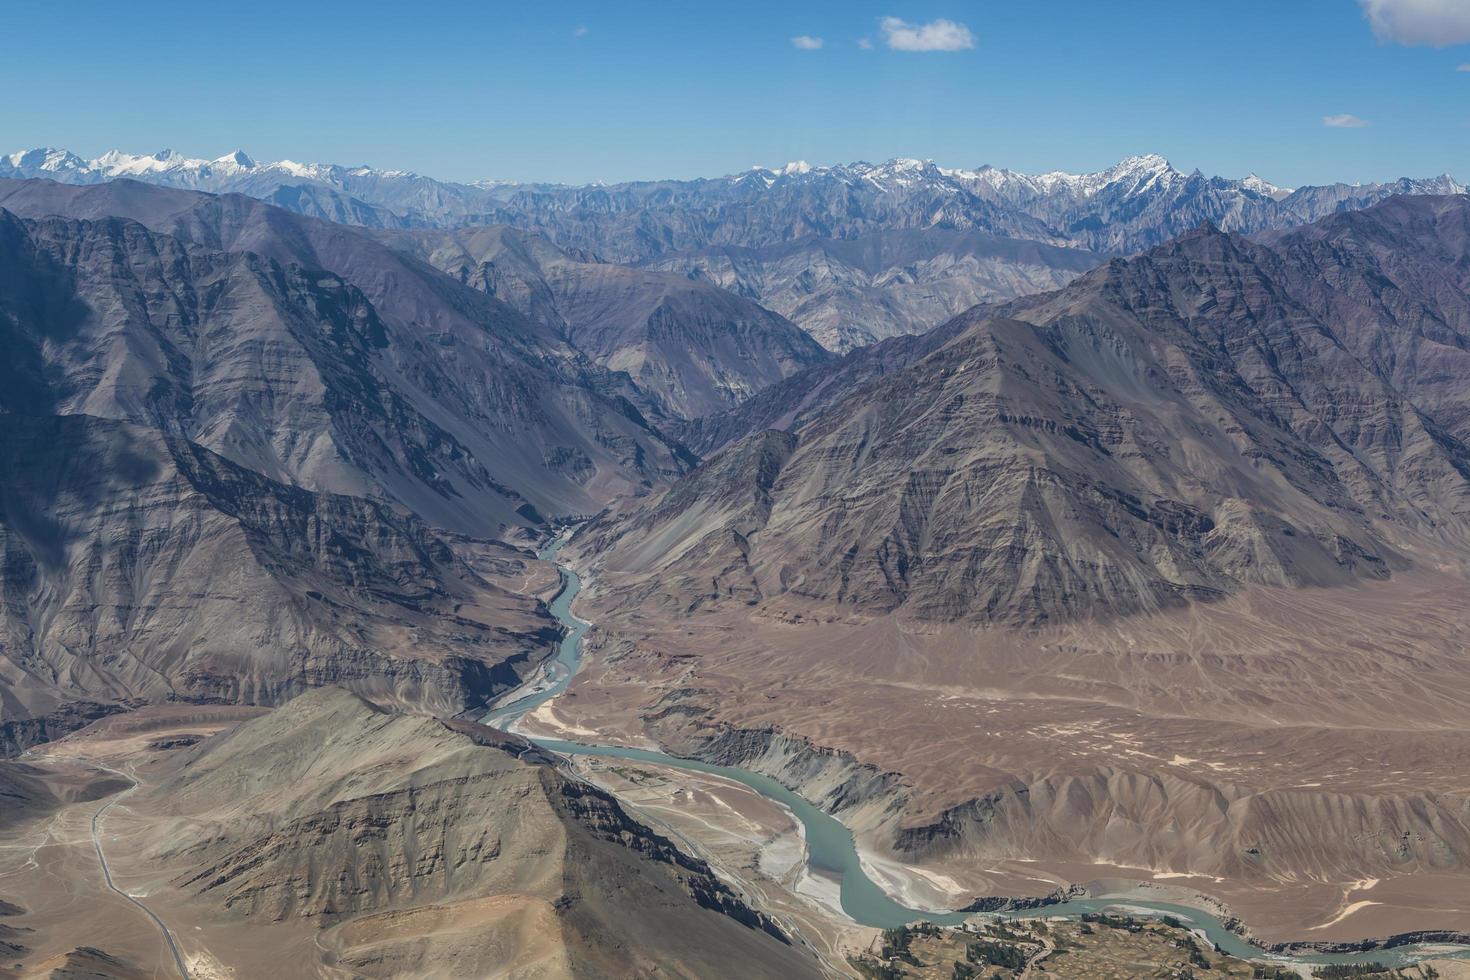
(1344, 120)
(865, 44)
(581, 31)
(1437, 23)
(1464, 67)
(807, 43)
(937, 35)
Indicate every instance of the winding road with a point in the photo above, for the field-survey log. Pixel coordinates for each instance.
(168, 937)
(1033, 963)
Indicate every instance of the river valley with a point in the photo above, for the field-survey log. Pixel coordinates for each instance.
(831, 851)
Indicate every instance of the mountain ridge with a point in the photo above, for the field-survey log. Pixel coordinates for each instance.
(419, 196)
(1212, 414)
(564, 432)
(692, 347)
(140, 567)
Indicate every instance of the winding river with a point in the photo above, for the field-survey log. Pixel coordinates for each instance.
(830, 847)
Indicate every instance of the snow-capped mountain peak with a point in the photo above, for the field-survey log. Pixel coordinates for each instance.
(1252, 182)
(42, 159)
(115, 163)
(239, 159)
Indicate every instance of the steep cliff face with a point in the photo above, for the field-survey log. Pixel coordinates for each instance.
(136, 566)
(382, 828)
(690, 347)
(312, 353)
(1211, 415)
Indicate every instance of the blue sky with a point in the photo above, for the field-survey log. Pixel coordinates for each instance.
(611, 91)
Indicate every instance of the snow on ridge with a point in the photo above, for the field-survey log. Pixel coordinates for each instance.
(44, 158)
(1132, 176)
(174, 166)
(1253, 182)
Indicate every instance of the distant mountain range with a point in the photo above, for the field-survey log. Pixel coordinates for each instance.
(1139, 202)
(925, 242)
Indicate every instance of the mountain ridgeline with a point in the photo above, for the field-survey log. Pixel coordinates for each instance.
(421, 847)
(851, 254)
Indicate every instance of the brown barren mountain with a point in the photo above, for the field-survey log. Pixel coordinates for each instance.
(330, 836)
(141, 567)
(692, 347)
(309, 352)
(230, 435)
(849, 292)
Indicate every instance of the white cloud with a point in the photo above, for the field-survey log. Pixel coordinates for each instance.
(865, 44)
(1344, 120)
(806, 42)
(1465, 67)
(937, 35)
(581, 31)
(1437, 23)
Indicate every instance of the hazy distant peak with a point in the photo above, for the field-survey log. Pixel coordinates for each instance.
(1252, 182)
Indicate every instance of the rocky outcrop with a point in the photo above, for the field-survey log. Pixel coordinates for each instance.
(88, 963)
(1196, 826)
(836, 781)
(606, 820)
(20, 733)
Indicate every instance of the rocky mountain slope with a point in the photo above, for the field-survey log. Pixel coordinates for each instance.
(415, 846)
(243, 452)
(849, 293)
(1210, 415)
(138, 566)
(311, 353)
(691, 347)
